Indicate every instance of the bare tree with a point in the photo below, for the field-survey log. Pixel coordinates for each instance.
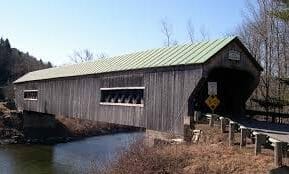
(167, 30)
(204, 33)
(85, 55)
(81, 56)
(101, 55)
(267, 37)
(191, 31)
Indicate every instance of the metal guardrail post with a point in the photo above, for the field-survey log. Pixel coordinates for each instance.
(212, 120)
(223, 124)
(285, 150)
(259, 141)
(278, 152)
(231, 133)
(244, 134)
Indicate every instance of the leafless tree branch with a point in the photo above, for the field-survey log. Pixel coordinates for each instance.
(191, 31)
(166, 29)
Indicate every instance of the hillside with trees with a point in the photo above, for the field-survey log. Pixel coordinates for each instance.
(14, 63)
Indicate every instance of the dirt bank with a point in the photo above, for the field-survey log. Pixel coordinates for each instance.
(66, 129)
(211, 155)
(11, 131)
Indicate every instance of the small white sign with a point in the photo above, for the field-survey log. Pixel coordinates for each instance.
(212, 88)
(234, 55)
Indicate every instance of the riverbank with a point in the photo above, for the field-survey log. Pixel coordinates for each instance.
(66, 129)
(211, 155)
(73, 129)
(11, 125)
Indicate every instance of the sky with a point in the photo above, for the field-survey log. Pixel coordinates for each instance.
(52, 29)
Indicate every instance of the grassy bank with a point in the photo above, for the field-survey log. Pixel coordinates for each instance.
(210, 155)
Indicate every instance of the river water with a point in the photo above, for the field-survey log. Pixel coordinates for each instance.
(83, 156)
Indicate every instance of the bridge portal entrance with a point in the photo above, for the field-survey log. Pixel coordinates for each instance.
(233, 89)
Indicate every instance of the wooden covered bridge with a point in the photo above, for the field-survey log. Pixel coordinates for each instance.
(155, 89)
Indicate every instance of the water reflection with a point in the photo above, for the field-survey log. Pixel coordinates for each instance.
(84, 156)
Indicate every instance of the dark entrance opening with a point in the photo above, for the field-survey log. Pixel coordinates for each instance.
(234, 88)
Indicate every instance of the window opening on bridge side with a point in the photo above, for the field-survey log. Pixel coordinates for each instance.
(30, 94)
(123, 96)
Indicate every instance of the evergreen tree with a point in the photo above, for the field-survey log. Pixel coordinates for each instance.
(7, 44)
(283, 12)
(14, 63)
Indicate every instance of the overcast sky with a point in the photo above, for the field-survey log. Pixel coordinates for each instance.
(53, 29)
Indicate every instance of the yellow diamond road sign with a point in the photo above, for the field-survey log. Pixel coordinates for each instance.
(213, 102)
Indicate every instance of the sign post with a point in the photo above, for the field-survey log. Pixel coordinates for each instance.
(212, 101)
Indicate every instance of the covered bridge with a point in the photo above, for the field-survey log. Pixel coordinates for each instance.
(155, 89)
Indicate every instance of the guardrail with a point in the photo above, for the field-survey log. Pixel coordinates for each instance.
(261, 138)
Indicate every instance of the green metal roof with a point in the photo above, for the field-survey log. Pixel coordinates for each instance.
(162, 57)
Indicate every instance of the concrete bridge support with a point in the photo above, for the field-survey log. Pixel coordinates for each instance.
(152, 137)
(37, 124)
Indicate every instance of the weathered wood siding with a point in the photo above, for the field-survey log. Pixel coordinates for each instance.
(166, 98)
(80, 97)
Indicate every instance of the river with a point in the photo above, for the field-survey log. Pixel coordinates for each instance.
(82, 156)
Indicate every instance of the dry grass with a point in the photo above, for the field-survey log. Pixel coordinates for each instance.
(211, 155)
(76, 127)
(3, 108)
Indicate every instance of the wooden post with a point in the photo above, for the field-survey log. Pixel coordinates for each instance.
(231, 133)
(244, 134)
(223, 124)
(259, 141)
(211, 123)
(285, 150)
(188, 132)
(197, 115)
(278, 154)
